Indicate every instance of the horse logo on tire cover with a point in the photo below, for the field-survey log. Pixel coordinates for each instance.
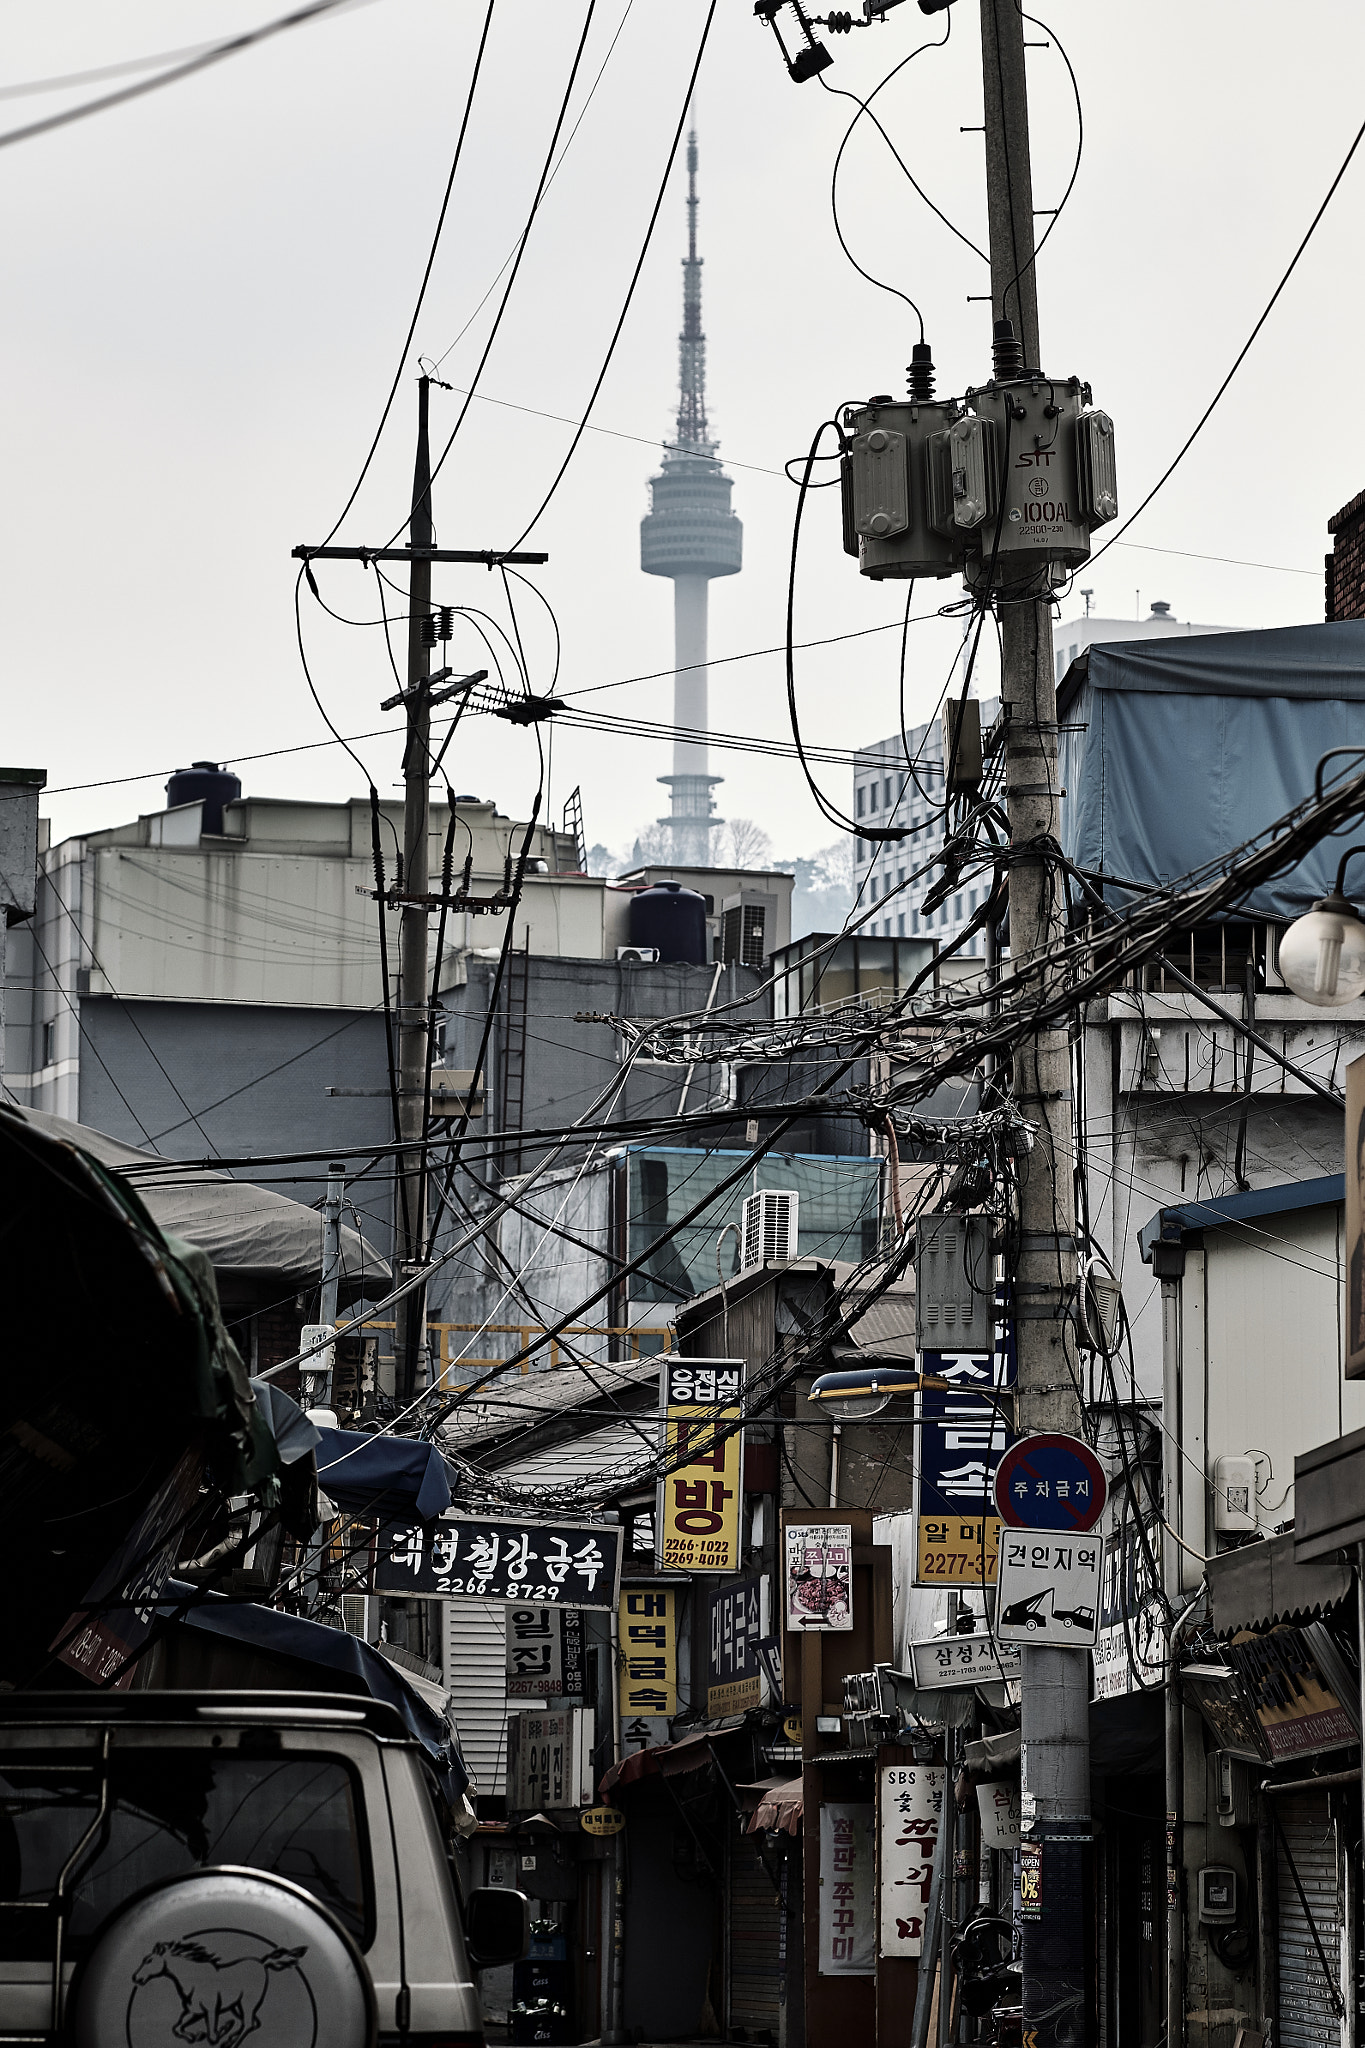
(218, 1987)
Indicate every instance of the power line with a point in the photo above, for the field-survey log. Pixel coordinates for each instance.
(426, 273)
(1241, 356)
(214, 54)
(516, 267)
(559, 165)
(634, 281)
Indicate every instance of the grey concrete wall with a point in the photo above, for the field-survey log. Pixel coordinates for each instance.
(197, 1080)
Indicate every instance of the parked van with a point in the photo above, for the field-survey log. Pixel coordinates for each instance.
(214, 1868)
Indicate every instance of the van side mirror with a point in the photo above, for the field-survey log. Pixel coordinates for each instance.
(497, 1924)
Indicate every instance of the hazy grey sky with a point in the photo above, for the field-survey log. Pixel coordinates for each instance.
(206, 291)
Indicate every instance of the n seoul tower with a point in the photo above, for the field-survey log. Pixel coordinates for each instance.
(690, 534)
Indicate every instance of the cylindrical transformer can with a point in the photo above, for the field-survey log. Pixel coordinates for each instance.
(1039, 529)
(886, 489)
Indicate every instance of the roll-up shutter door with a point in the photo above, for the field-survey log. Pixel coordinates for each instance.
(755, 1942)
(476, 1674)
(1307, 2018)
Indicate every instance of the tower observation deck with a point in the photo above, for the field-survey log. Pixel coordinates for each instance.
(691, 534)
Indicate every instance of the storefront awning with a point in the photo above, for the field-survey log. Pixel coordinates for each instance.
(780, 1806)
(669, 1759)
(390, 1475)
(1261, 1584)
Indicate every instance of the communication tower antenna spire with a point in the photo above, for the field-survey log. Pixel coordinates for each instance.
(691, 535)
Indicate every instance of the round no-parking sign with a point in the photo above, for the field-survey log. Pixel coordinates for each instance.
(1050, 1482)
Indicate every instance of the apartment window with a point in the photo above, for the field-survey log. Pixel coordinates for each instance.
(914, 920)
(886, 792)
(50, 1042)
(900, 927)
(957, 909)
(1075, 650)
(900, 878)
(862, 804)
(872, 889)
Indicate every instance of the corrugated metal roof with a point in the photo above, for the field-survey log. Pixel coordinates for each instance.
(514, 1401)
(602, 1453)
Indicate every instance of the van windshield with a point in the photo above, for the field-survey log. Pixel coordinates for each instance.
(172, 1811)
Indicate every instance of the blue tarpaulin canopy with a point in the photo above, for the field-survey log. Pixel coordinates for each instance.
(332, 1649)
(393, 1475)
(1180, 749)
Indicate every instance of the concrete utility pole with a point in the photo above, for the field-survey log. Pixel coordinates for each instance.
(414, 1020)
(1056, 1682)
(416, 900)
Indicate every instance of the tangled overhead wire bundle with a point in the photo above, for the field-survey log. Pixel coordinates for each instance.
(849, 1301)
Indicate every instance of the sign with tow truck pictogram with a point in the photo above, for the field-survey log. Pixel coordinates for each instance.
(1049, 1588)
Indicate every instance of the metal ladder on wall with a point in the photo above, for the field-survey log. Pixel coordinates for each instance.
(573, 828)
(512, 1089)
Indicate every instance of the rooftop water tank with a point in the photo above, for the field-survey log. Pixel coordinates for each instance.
(204, 782)
(671, 918)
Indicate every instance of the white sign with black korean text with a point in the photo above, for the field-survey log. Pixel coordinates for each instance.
(1001, 1814)
(962, 1660)
(910, 1818)
(1049, 1588)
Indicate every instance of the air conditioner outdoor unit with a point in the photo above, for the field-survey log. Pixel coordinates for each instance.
(639, 956)
(769, 1225)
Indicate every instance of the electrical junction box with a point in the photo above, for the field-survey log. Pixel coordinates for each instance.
(961, 744)
(1217, 1896)
(1234, 1790)
(321, 1362)
(954, 1284)
(886, 493)
(1234, 1495)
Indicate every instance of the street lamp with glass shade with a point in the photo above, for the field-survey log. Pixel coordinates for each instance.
(1322, 955)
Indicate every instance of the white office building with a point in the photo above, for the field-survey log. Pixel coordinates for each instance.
(1071, 637)
(888, 791)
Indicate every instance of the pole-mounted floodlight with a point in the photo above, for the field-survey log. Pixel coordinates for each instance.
(808, 58)
(1322, 955)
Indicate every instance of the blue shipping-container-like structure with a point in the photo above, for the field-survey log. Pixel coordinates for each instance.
(1175, 751)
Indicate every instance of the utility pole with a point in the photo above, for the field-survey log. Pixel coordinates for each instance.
(1056, 1682)
(414, 1000)
(331, 1265)
(414, 1020)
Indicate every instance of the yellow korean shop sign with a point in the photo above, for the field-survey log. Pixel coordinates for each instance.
(648, 1668)
(702, 1488)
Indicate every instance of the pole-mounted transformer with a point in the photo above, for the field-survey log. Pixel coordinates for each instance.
(1003, 486)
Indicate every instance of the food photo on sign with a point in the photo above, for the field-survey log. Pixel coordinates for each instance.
(819, 1576)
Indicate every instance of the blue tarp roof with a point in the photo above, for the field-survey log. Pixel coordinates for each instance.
(393, 1475)
(331, 1649)
(1180, 749)
(1173, 1221)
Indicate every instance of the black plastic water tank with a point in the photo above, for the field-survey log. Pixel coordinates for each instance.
(671, 918)
(204, 782)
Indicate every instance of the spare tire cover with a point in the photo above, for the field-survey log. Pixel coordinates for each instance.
(224, 1957)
